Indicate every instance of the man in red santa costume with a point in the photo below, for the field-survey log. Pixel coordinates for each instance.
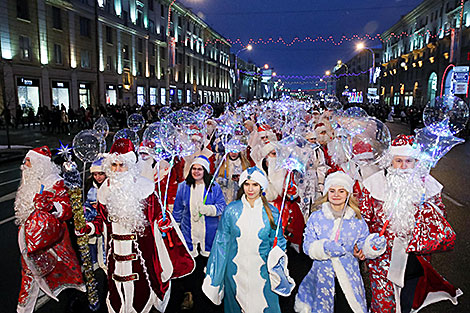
(265, 135)
(293, 221)
(202, 148)
(140, 263)
(49, 264)
(401, 280)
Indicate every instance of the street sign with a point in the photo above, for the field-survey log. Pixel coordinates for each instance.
(459, 82)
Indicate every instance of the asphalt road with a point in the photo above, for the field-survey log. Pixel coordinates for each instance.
(453, 171)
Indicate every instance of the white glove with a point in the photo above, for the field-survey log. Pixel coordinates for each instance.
(208, 210)
(58, 210)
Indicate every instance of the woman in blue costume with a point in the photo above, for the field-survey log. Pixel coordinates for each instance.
(334, 283)
(197, 209)
(236, 270)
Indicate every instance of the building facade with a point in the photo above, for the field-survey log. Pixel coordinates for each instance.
(356, 81)
(418, 65)
(86, 53)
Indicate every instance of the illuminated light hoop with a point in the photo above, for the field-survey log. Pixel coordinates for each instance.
(444, 76)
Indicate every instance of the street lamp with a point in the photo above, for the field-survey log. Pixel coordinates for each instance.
(361, 46)
(327, 73)
(249, 48)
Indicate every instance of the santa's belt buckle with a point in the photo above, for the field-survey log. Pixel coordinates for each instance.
(125, 278)
(123, 258)
(124, 237)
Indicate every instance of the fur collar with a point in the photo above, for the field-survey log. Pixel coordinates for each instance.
(377, 182)
(258, 203)
(326, 209)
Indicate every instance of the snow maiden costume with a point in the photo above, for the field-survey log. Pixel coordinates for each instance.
(237, 271)
(335, 260)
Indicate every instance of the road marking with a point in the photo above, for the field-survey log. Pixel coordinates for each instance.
(10, 170)
(446, 196)
(10, 181)
(8, 196)
(11, 218)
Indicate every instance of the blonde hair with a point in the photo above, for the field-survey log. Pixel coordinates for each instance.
(352, 203)
(223, 168)
(241, 192)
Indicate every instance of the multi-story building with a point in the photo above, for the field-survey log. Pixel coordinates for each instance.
(356, 80)
(92, 53)
(248, 83)
(420, 51)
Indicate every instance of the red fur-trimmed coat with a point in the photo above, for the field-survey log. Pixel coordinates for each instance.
(156, 258)
(66, 273)
(383, 297)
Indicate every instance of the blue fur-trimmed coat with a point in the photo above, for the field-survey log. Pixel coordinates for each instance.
(316, 292)
(236, 270)
(182, 213)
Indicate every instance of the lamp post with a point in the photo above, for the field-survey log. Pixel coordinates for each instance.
(360, 46)
(338, 66)
(249, 48)
(169, 42)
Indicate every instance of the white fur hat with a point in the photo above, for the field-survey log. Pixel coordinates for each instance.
(255, 174)
(338, 179)
(203, 161)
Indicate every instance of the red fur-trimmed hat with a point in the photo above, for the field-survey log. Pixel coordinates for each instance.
(403, 146)
(125, 148)
(40, 152)
(363, 150)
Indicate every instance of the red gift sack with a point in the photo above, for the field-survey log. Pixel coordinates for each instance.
(432, 232)
(42, 231)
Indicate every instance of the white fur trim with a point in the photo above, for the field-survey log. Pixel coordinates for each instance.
(163, 256)
(92, 228)
(368, 251)
(316, 251)
(437, 296)
(215, 294)
(203, 162)
(338, 179)
(181, 237)
(343, 279)
(250, 284)
(398, 259)
(35, 155)
(301, 307)
(405, 150)
(326, 209)
(161, 305)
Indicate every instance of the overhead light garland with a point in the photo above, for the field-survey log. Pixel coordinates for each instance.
(323, 39)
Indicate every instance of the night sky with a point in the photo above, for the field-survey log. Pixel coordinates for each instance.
(247, 19)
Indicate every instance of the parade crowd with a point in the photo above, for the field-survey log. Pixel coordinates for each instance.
(209, 231)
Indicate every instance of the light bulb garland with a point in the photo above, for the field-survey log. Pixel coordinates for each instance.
(320, 39)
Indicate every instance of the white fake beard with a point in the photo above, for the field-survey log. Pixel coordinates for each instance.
(123, 203)
(31, 185)
(323, 139)
(336, 151)
(405, 189)
(271, 165)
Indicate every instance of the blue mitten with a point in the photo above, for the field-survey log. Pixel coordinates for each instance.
(378, 242)
(333, 248)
